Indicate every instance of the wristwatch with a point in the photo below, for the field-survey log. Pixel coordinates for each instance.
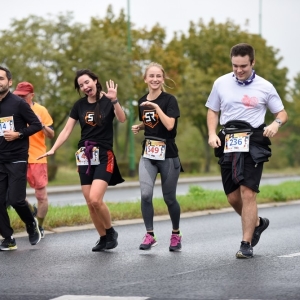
(21, 135)
(279, 122)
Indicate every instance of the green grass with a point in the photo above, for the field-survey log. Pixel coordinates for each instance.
(65, 176)
(197, 199)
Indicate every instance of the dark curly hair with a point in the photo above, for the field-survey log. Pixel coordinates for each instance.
(243, 49)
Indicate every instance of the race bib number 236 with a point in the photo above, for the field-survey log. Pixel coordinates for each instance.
(237, 142)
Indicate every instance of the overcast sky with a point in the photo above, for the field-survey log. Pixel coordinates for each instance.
(280, 19)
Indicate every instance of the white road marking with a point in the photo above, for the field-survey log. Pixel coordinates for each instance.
(290, 255)
(85, 297)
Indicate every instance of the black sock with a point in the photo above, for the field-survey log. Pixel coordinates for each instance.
(151, 233)
(175, 232)
(244, 242)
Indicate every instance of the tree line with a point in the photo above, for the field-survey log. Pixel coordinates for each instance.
(48, 51)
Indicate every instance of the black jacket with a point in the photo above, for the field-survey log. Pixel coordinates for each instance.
(259, 149)
(25, 121)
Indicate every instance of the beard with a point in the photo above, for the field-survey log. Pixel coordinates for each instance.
(4, 90)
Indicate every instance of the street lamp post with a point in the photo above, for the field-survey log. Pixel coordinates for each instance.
(131, 111)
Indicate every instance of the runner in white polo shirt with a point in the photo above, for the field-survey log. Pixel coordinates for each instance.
(242, 99)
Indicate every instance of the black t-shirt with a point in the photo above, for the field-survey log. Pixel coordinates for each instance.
(102, 134)
(153, 125)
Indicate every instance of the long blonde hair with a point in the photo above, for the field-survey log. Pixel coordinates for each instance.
(155, 64)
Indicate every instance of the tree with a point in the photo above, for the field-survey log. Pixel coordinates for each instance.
(291, 141)
(47, 52)
(34, 50)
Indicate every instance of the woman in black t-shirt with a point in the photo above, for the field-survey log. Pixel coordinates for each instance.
(97, 166)
(159, 112)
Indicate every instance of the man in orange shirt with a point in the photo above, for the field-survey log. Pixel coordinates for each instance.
(37, 172)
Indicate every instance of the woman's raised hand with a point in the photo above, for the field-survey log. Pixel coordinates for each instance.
(111, 90)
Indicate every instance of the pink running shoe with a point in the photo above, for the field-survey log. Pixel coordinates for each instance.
(175, 244)
(148, 242)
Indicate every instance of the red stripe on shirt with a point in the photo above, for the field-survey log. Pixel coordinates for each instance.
(110, 162)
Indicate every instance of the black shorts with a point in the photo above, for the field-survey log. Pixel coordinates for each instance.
(252, 175)
(102, 171)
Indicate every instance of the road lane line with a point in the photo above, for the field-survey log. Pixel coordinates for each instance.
(290, 255)
(86, 297)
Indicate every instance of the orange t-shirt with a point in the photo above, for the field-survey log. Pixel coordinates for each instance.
(37, 141)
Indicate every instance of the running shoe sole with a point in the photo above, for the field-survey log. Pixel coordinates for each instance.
(240, 254)
(175, 250)
(144, 247)
(9, 248)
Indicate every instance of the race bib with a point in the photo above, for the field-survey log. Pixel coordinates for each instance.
(237, 142)
(6, 123)
(81, 159)
(155, 150)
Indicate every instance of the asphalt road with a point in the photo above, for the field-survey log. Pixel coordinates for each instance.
(129, 191)
(63, 267)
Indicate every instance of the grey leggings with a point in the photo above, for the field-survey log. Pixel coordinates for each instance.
(169, 170)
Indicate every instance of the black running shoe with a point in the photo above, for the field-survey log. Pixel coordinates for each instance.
(100, 244)
(111, 239)
(8, 244)
(259, 230)
(34, 212)
(33, 232)
(42, 231)
(246, 250)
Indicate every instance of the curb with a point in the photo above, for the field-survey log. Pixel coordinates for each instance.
(77, 187)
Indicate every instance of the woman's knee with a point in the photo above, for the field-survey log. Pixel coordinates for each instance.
(170, 201)
(146, 198)
(94, 203)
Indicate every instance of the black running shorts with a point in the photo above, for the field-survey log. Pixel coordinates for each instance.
(252, 175)
(102, 171)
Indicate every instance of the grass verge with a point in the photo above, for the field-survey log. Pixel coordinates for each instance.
(197, 199)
